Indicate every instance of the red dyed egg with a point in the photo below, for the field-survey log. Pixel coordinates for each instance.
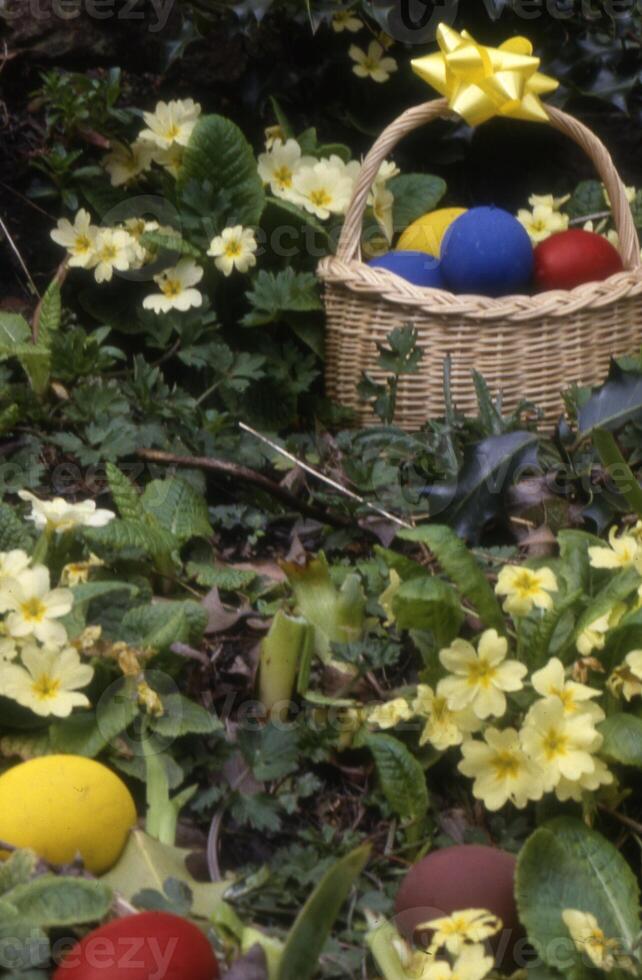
(468, 876)
(573, 257)
(151, 944)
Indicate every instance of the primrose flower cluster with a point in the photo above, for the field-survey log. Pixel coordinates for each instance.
(39, 668)
(456, 950)
(546, 217)
(552, 743)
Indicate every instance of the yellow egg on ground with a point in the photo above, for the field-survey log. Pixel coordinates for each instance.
(425, 234)
(64, 805)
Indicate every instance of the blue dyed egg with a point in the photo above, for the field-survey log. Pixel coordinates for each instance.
(417, 267)
(487, 252)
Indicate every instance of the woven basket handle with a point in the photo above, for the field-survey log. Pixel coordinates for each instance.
(349, 246)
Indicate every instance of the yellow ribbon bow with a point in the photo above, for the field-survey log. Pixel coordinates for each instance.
(480, 82)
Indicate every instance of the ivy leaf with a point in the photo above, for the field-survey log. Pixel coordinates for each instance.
(428, 603)
(614, 403)
(622, 734)
(565, 865)
(402, 777)
(462, 568)
(219, 154)
(414, 194)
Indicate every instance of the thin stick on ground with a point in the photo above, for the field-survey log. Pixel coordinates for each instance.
(14, 248)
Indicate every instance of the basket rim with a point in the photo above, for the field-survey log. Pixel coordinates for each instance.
(371, 281)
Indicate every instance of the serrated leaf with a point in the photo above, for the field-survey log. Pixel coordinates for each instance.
(614, 403)
(462, 568)
(223, 577)
(184, 717)
(219, 153)
(160, 625)
(402, 777)
(414, 195)
(13, 532)
(55, 901)
(126, 537)
(428, 603)
(17, 869)
(622, 734)
(315, 920)
(275, 293)
(565, 865)
(50, 315)
(178, 507)
(146, 863)
(125, 494)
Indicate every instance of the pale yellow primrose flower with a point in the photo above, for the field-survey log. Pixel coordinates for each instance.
(345, 20)
(590, 939)
(560, 744)
(622, 552)
(278, 166)
(444, 728)
(171, 122)
(550, 682)
(12, 564)
(465, 926)
(47, 683)
(176, 288)
(590, 782)
(501, 770)
(480, 677)
(78, 238)
(525, 588)
(76, 572)
(471, 964)
(593, 637)
(59, 515)
(33, 607)
(124, 163)
(542, 222)
(234, 248)
(170, 158)
(391, 713)
(8, 649)
(114, 248)
(372, 63)
(324, 188)
(548, 201)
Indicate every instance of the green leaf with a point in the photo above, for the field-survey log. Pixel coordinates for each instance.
(160, 625)
(587, 198)
(462, 568)
(125, 494)
(146, 863)
(50, 315)
(539, 640)
(428, 603)
(274, 294)
(17, 869)
(13, 533)
(22, 945)
(55, 901)
(88, 733)
(618, 588)
(126, 537)
(576, 568)
(223, 577)
(14, 330)
(169, 243)
(178, 507)
(565, 865)
(414, 194)
(475, 496)
(614, 403)
(402, 777)
(312, 926)
(219, 153)
(622, 734)
(184, 717)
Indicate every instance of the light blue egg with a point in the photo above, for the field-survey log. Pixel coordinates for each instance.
(487, 252)
(417, 267)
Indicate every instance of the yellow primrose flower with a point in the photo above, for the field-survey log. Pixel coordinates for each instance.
(34, 608)
(324, 188)
(12, 564)
(391, 713)
(590, 939)
(550, 682)
(77, 572)
(542, 222)
(8, 649)
(386, 598)
(501, 770)
(589, 782)
(170, 158)
(48, 682)
(627, 678)
(124, 163)
(78, 238)
(177, 290)
(444, 728)
(345, 20)
(372, 63)
(382, 204)
(171, 122)
(471, 964)
(593, 637)
(114, 248)
(480, 678)
(525, 588)
(234, 248)
(466, 926)
(547, 200)
(560, 744)
(59, 515)
(622, 552)
(278, 166)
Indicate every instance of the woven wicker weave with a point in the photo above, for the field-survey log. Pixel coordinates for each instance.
(525, 346)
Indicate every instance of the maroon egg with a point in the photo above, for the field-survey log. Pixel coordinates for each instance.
(572, 258)
(468, 876)
(138, 947)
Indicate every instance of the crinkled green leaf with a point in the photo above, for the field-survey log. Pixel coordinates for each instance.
(52, 900)
(402, 777)
(178, 507)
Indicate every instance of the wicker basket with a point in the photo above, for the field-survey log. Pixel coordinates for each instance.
(525, 346)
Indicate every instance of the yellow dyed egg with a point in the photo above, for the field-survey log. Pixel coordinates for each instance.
(425, 234)
(64, 805)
